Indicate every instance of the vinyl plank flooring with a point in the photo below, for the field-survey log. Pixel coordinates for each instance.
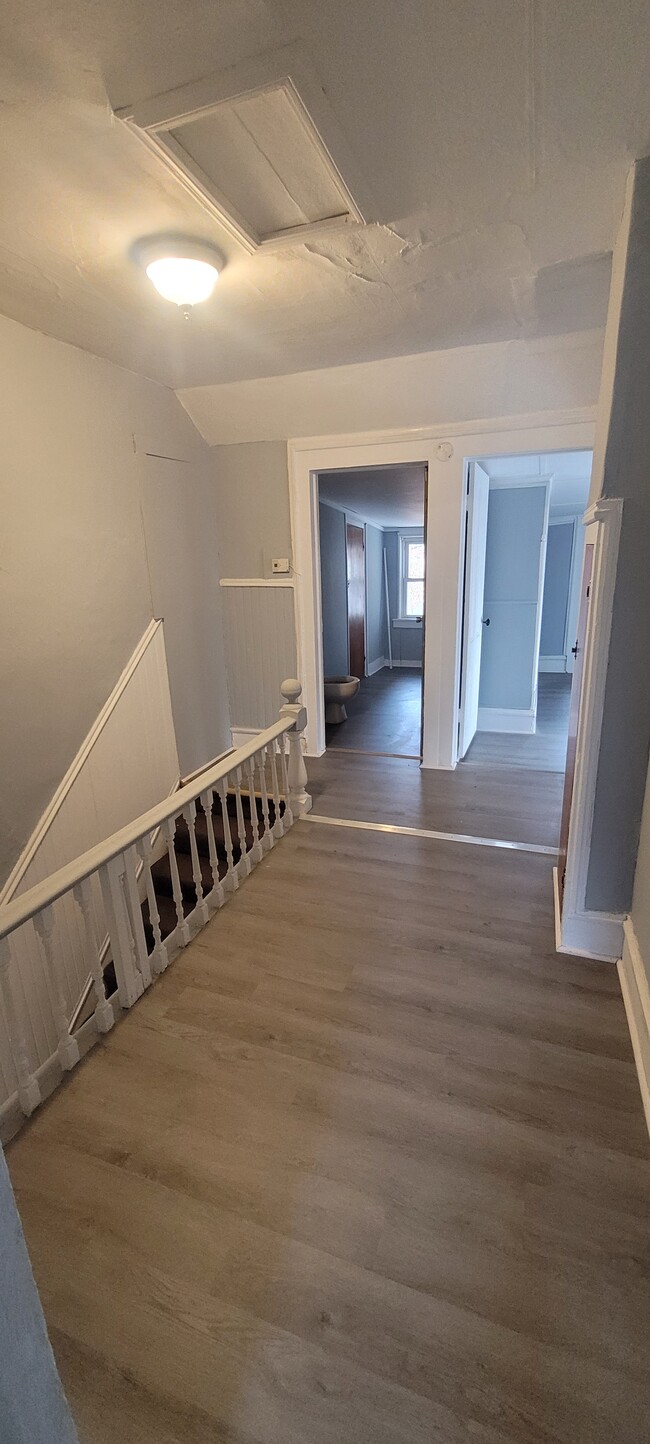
(384, 716)
(368, 1163)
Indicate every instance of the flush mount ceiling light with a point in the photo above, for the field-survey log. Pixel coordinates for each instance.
(184, 272)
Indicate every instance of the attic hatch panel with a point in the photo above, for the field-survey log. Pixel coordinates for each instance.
(264, 156)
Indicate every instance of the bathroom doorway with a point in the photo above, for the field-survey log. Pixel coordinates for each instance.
(372, 553)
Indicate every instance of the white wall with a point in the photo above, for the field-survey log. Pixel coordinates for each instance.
(33, 1409)
(467, 383)
(74, 588)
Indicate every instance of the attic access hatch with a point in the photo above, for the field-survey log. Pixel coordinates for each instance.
(256, 145)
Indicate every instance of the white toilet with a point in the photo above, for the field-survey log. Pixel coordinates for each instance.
(338, 691)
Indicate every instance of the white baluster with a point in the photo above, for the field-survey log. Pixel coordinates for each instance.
(278, 826)
(131, 861)
(300, 798)
(130, 985)
(189, 813)
(160, 957)
(231, 880)
(182, 927)
(217, 896)
(68, 1048)
(256, 850)
(83, 896)
(244, 865)
(287, 818)
(29, 1093)
(267, 835)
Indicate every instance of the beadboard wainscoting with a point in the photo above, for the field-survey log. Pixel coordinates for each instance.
(260, 642)
(127, 762)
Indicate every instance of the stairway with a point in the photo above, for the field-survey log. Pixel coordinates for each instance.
(161, 870)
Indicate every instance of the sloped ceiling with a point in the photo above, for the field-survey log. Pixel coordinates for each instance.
(494, 139)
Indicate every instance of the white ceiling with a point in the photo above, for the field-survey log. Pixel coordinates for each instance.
(570, 473)
(387, 496)
(494, 140)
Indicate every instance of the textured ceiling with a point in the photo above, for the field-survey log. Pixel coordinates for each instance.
(388, 496)
(570, 473)
(494, 139)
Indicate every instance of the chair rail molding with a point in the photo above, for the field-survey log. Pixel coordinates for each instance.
(579, 929)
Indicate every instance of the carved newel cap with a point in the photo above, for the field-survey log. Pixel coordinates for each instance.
(291, 689)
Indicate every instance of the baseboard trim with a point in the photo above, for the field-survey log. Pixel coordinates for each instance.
(406, 663)
(583, 934)
(506, 719)
(241, 736)
(636, 997)
(377, 666)
(552, 664)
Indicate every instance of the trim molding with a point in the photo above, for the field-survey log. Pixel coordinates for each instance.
(256, 582)
(635, 988)
(584, 934)
(377, 666)
(552, 664)
(47, 818)
(595, 934)
(403, 831)
(506, 719)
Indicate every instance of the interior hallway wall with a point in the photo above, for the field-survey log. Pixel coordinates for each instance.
(33, 1409)
(622, 469)
(74, 588)
(557, 581)
(515, 526)
(334, 586)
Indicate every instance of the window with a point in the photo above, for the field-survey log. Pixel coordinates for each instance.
(412, 588)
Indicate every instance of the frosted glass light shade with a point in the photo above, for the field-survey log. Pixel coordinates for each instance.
(183, 279)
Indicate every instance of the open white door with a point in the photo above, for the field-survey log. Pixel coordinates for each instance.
(478, 492)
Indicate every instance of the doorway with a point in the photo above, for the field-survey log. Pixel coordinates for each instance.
(371, 553)
(524, 550)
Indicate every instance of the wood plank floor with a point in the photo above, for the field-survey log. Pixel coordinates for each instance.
(385, 715)
(511, 803)
(545, 749)
(368, 1165)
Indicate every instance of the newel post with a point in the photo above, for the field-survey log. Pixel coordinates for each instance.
(299, 798)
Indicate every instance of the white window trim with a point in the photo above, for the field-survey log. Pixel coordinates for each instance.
(414, 535)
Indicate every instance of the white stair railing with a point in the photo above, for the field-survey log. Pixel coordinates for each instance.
(253, 795)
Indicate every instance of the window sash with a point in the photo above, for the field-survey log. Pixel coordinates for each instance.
(411, 582)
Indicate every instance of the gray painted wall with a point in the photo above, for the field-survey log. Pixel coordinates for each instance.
(74, 588)
(641, 895)
(557, 576)
(375, 603)
(334, 590)
(258, 622)
(252, 491)
(515, 525)
(622, 468)
(406, 641)
(33, 1409)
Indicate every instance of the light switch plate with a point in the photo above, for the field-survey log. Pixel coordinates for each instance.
(280, 566)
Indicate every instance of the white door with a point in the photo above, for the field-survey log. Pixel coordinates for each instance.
(475, 544)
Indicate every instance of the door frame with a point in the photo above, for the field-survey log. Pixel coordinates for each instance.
(445, 451)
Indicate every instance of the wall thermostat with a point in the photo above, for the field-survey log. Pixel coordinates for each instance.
(280, 566)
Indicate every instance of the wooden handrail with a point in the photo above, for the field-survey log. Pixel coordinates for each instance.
(22, 908)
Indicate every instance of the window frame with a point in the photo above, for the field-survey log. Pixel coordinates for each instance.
(416, 538)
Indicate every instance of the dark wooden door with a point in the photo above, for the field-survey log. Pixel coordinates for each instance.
(356, 600)
(574, 712)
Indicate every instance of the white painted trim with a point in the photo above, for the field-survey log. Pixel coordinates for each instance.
(377, 666)
(404, 662)
(605, 933)
(45, 822)
(241, 736)
(633, 978)
(410, 622)
(556, 431)
(506, 719)
(403, 831)
(513, 483)
(552, 664)
(256, 582)
(584, 934)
